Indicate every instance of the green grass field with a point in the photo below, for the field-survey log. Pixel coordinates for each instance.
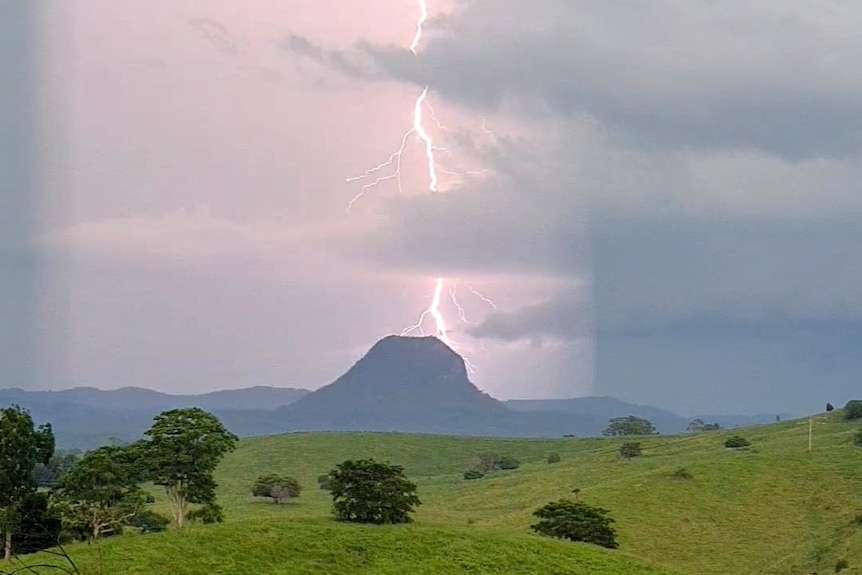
(771, 509)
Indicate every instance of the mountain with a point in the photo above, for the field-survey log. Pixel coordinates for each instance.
(85, 417)
(606, 408)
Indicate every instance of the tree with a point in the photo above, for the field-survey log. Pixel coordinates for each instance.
(278, 487)
(182, 449)
(323, 481)
(38, 526)
(22, 447)
(101, 493)
(47, 475)
(857, 438)
(629, 425)
(830, 407)
(699, 426)
(576, 521)
(631, 449)
(366, 491)
(553, 458)
(853, 410)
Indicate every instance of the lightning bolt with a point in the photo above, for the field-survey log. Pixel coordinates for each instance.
(391, 170)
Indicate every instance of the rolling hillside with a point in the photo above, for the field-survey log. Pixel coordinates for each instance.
(771, 509)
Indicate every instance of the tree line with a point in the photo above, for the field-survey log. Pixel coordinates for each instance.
(44, 499)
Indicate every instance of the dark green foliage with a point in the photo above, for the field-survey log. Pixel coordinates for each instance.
(853, 410)
(488, 462)
(699, 426)
(830, 407)
(100, 493)
(22, 447)
(323, 481)
(278, 487)
(576, 521)
(508, 463)
(47, 475)
(629, 425)
(631, 449)
(736, 442)
(841, 565)
(682, 473)
(149, 521)
(554, 458)
(366, 491)
(473, 474)
(184, 447)
(208, 513)
(39, 526)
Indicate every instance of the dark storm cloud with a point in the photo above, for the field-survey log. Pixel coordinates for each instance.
(17, 188)
(778, 77)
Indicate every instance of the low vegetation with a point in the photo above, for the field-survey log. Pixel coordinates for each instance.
(736, 442)
(576, 521)
(631, 449)
(853, 410)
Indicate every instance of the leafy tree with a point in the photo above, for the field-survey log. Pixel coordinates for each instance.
(857, 439)
(553, 458)
(576, 521)
(22, 447)
(47, 475)
(736, 442)
(830, 407)
(323, 481)
(629, 425)
(366, 491)
(698, 426)
(853, 410)
(183, 448)
(631, 449)
(39, 526)
(148, 521)
(101, 494)
(278, 487)
(473, 474)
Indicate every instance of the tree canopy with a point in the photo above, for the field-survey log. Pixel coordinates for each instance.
(629, 425)
(182, 449)
(576, 521)
(22, 447)
(367, 491)
(278, 487)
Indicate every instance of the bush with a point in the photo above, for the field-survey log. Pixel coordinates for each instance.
(366, 491)
(209, 513)
(853, 410)
(630, 449)
(553, 458)
(507, 463)
(682, 473)
(841, 565)
(473, 474)
(857, 439)
(323, 481)
(736, 442)
(149, 521)
(576, 521)
(278, 487)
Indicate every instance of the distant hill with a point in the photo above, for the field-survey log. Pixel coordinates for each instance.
(85, 417)
(605, 408)
(407, 384)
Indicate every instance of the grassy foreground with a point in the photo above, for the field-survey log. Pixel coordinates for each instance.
(771, 509)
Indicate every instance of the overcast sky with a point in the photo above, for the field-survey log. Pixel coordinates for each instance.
(660, 198)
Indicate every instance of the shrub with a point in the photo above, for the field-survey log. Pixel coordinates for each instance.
(209, 513)
(853, 410)
(841, 565)
(323, 481)
(736, 442)
(366, 491)
(576, 521)
(630, 449)
(279, 487)
(857, 439)
(473, 474)
(507, 463)
(149, 521)
(553, 458)
(682, 473)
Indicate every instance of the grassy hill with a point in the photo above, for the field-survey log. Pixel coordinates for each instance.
(771, 509)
